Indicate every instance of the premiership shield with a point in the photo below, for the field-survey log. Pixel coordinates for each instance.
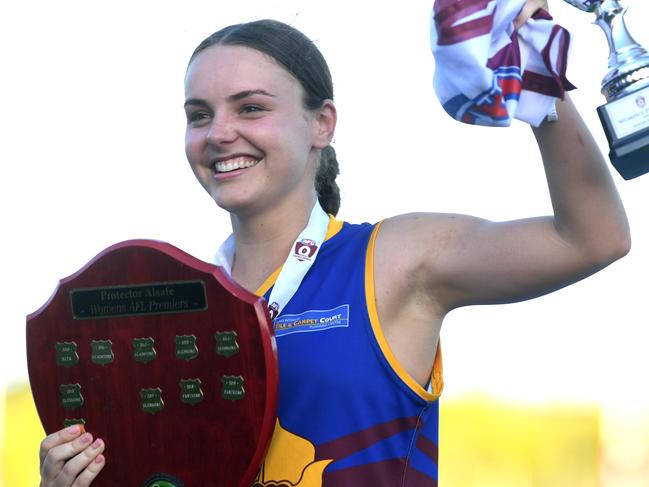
(166, 359)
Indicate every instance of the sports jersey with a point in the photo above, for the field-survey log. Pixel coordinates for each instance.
(487, 72)
(348, 414)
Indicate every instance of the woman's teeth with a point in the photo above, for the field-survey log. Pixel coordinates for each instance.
(233, 164)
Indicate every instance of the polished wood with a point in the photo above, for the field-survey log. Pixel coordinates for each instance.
(216, 442)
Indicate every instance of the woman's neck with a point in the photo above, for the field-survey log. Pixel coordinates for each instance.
(263, 240)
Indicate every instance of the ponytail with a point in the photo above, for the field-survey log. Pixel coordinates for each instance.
(325, 181)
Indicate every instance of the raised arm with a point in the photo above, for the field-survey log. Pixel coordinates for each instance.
(462, 260)
(457, 260)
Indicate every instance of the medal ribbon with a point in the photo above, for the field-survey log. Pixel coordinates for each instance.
(300, 259)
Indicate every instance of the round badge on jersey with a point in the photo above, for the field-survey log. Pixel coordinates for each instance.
(305, 249)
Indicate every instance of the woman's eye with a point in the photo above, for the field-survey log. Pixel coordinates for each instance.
(251, 109)
(197, 116)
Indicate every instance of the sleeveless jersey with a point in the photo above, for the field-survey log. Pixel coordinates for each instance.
(348, 414)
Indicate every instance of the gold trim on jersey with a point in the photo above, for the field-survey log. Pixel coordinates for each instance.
(437, 381)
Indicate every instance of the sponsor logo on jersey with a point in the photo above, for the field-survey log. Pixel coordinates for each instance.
(641, 102)
(313, 320)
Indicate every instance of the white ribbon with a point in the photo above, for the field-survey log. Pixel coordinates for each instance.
(300, 259)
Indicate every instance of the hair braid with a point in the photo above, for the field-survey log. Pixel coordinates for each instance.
(325, 181)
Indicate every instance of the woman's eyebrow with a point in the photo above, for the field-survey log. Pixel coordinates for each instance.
(245, 94)
(195, 101)
(236, 97)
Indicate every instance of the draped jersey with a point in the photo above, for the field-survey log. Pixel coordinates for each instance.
(348, 414)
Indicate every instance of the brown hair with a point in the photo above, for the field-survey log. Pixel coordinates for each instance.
(300, 57)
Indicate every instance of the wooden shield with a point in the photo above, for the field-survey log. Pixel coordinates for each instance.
(166, 359)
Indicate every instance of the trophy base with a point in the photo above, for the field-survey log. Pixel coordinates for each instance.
(626, 124)
(632, 159)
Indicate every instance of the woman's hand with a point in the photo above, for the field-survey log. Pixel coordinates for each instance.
(69, 458)
(530, 7)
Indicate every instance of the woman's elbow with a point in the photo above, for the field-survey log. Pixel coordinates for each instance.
(613, 247)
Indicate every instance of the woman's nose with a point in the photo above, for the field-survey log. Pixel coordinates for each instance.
(221, 131)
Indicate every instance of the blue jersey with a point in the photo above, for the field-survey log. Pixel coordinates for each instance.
(349, 415)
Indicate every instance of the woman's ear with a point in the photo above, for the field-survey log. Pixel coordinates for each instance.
(324, 124)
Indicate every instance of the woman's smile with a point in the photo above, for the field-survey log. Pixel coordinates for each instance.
(234, 163)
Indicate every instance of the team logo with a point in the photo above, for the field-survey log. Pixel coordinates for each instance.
(305, 249)
(273, 310)
(290, 462)
(640, 101)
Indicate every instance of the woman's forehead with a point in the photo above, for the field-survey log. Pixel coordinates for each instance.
(227, 68)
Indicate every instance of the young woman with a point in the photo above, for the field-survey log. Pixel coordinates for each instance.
(358, 391)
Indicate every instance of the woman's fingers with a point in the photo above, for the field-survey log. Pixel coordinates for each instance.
(90, 472)
(73, 463)
(530, 7)
(60, 437)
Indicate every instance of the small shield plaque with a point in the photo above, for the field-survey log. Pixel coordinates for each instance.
(152, 400)
(102, 352)
(143, 350)
(226, 343)
(232, 388)
(190, 391)
(71, 397)
(73, 421)
(66, 354)
(186, 348)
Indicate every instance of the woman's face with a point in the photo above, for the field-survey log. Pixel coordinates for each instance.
(249, 139)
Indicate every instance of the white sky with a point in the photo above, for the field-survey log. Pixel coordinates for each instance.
(92, 128)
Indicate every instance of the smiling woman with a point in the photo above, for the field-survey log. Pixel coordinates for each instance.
(292, 54)
(359, 390)
(238, 112)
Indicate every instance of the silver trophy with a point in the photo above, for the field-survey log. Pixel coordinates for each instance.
(626, 87)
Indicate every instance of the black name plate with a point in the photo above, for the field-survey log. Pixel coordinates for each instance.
(143, 299)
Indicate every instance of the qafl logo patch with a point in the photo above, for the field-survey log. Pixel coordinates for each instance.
(305, 249)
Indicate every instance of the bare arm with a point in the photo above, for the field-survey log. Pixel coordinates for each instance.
(463, 260)
(588, 212)
(428, 264)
